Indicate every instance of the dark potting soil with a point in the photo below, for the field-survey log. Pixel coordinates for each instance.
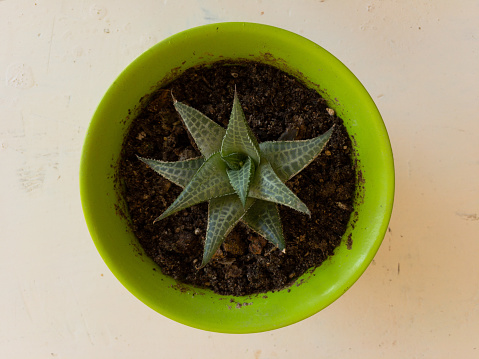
(277, 106)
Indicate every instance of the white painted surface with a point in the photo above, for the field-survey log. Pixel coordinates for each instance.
(420, 62)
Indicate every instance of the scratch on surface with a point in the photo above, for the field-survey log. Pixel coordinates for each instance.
(208, 15)
(468, 216)
(26, 305)
(51, 42)
(31, 179)
(84, 322)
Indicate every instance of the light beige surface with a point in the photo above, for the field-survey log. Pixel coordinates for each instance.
(420, 62)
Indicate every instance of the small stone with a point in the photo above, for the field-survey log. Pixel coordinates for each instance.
(226, 261)
(349, 243)
(343, 206)
(209, 110)
(218, 255)
(185, 240)
(233, 271)
(257, 244)
(234, 245)
(330, 111)
(289, 134)
(197, 231)
(185, 154)
(167, 185)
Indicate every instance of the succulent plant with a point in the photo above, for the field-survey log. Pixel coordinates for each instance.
(241, 178)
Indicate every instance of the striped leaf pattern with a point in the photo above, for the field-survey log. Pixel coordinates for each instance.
(239, 138)
(263, 217)
(235, 160)
(240, 179)
(207, 134)
(267, 186)
(223, 214)
(180, 172)
(290, 157)
(210, 181)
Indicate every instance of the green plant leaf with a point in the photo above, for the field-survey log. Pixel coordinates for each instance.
(238, 137)
(288, 158)
(267, 186)
(208, 135)
(240, 179)
(235, 160)
(263, 217)
(223, 214)
(210, 181)
(180, 172)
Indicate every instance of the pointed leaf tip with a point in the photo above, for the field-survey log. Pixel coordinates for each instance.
(208, 135)
(223, 214)
(267, 186)
(239, 138)
(180, 172)
(288, 158)
(240, 179)
(263, 217)
(209, 181)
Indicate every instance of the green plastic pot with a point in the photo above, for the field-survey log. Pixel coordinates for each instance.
(104, 208)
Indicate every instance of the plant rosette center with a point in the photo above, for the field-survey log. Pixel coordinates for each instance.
(241, 179)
